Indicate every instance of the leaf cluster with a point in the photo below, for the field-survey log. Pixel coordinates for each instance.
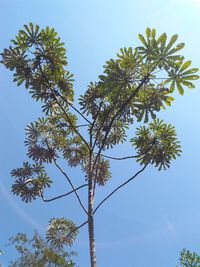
(189, 259)
(36, 252)
(156, 144)
(60, 232)
(30, 181)
(38, 58)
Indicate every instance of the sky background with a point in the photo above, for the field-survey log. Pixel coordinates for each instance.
(148, 222)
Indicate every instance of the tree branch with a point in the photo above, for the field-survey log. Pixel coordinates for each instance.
(120, 186)
(68, 119)
(146, 78)
(130, 157)
(68, 179)
(74, 230)
(74, 108)
(63, 195)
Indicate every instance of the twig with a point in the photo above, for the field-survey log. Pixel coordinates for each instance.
(63, 195)
(120, 186)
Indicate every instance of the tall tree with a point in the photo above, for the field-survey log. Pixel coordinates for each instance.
(35, 252)
(133, 87)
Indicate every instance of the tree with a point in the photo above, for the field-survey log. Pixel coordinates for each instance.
(35, 252)
(133, 87)
(189, 259)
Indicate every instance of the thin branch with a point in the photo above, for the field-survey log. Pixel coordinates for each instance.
(146, 78)
(159, 78)
(120, 186)
(82, 125)
(74, 230)
(74, 108)
(95, 118)
(130, 157)
(63, 195)
(158, 71)
(68, 119)
(69, 180)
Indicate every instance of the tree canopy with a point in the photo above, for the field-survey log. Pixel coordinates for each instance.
(133, 87)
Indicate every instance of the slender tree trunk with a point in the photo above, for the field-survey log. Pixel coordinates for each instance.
(93, 261)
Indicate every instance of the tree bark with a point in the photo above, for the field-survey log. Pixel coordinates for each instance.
(93, 261)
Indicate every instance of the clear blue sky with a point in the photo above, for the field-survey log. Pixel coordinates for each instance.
(151, 220)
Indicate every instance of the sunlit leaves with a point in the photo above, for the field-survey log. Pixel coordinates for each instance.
(182, 76)
(165, 146)
(158, 50)
(30, 181)
(189, 259)
(38, 58)
(149, 101)
(61, 232)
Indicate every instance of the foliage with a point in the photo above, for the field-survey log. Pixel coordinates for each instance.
(35, 252)
(189, 259)
(61, 231)
(30, 181)
(165, 145)
(134, 86)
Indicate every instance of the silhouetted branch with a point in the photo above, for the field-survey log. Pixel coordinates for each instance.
(130, 157)
(68, 179)
(74, 108)
(68, 119)
(63, 195)
(77, 228)
(143, 81)
(120, 186)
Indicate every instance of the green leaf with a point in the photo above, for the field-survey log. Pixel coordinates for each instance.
(163, 41)
(141, 37)
(185, 65)
(172, 87)
(191, 77)
(148, 32)
(170, 98)
(172, 41)
(20, 82)
(188, 84)
(191, 71)
(177, 48)
(180, 88)
(153, 33)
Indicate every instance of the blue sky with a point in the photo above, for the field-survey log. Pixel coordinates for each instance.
(151, 220)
